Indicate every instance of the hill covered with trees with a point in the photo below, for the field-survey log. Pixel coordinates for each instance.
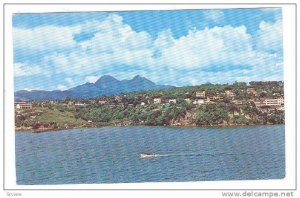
(203, 105)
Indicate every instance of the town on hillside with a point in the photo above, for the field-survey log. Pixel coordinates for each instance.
(204, 105)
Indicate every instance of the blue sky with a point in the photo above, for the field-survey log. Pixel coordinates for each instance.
(183, 47)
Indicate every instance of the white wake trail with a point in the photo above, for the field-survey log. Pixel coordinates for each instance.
(178, 154)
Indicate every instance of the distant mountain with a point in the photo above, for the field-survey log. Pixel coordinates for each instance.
(104, 86)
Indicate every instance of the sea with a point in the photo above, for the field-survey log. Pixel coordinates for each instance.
(112, 155)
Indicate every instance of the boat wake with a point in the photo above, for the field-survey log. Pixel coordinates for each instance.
(154, 155)
(180, 154)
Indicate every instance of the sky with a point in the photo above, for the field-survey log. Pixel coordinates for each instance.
(57, 51)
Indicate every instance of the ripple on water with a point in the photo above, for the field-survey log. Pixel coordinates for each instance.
(111, 155)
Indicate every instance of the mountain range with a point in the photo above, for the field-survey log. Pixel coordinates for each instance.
(104, 86)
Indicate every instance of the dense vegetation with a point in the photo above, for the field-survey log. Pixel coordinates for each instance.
(123, 110)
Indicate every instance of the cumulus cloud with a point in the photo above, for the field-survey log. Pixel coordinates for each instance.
(91, 79)
(61, 87)
(202, 48)
(112, 34)
(44, 38)
(198, 49)
(24, 69)
(269, 37)
(115, 48)
(69, 81)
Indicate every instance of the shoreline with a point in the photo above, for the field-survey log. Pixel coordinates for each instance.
(30, 129)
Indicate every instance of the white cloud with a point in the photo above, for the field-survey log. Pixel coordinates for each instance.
(45, 38)
(69, 80)
(91, 79)
(112, 34)
(195, 50)
(164, 40)
(269, 37)
(27, 89)
(115, 47)
(61, 87)
(214, 15)
(24, 69)
(202, 48)
(70, 63)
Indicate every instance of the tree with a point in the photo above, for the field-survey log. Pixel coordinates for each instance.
(212, 114)
(240, 120)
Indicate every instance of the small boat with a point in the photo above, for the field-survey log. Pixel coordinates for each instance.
(148, 155)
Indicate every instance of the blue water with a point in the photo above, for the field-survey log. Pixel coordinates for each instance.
(111, 155)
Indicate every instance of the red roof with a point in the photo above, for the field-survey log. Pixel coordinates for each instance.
(24, 104)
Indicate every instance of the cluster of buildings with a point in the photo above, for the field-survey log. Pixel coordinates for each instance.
(277, 103)
(197, 98)
(23, 105)
(20, 106)
(202, 98)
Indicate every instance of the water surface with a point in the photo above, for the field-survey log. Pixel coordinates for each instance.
(112, 155)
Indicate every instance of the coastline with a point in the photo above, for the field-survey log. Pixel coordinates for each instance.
(30, 129)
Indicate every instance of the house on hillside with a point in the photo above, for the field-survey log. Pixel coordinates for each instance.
(274, 102)
(234, 113)
(276, 94)
(188, 100)
(215, 97)
(118, 98)
(237, 102)
(70, 103)
(102, 102)
(172, 101)
(251, 90)
(23, 105)
(92, 101)
(200, 94)
(116, 105)
(259, 103)
(230, 93)
(198, 102)
(79, 104)
(157, 100)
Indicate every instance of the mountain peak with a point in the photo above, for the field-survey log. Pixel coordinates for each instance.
(137, 77)
(140, 78)
(106, 79)
(104, 86)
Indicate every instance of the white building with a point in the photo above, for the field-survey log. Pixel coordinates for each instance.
(200, 94)
(157, 100)
(237, 102)
(172, 101)
(215, 97)
(79, 104)
(274, 102)
(188, 100)
(199, 102)
(259, 103)
(251, 90)
(102, 102)
(23, 105)
(229, 93)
